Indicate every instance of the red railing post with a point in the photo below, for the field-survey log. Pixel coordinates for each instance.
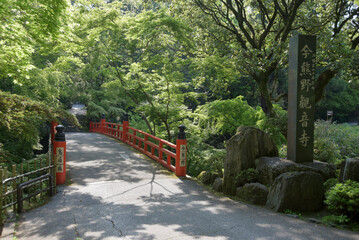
(181, 152)
(160, 153)
(59, 152)
(103, 120)
(125, 125)
(145, 144)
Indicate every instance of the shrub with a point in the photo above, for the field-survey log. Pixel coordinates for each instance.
(325, 147)
(343, 199)
(247, 176)
(275, 127)
(216, 160)
(331, 182)
(335, 142)
(205, 160)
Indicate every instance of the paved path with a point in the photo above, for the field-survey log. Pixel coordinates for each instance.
(118, 194)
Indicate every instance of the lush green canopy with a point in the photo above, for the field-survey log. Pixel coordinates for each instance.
(211, 64)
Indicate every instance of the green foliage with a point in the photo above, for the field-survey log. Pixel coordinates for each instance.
(343, 199)
(335, 142)
(217, 160)
(341, 219)
(136, 121)
(23, 25)
(291, 212)
(341, 98)
(276, 127)
(225, 116)
(20, 121)
(205, 160)
(331, 182)
(249, 175)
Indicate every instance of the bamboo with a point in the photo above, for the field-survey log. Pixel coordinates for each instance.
(28, 170)
(1, 196)
(54, 172)
(5, 189)
(48, 171)
(41, 193)
(21, 171)
(14, 186)
(48, 163)
(34, 187)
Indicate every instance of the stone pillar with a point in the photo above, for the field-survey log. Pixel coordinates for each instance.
(301, 98)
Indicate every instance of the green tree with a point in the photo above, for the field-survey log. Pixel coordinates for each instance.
(137, 56)
(255, 35)
(20, 121)
(23, 25)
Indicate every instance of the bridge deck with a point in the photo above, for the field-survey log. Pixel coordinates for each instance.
(115, 193)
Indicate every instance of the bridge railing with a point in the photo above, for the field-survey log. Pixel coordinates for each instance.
(25, 181)
(172, 156)
(156, 148)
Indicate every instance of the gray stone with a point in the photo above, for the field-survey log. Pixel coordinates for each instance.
(298, 191)
(254, 193)
(350, 170)
(314, 220)
(218, 185)
(214, 176)
(205, 177)
(326, 170)
(242, 149)
(270, 168)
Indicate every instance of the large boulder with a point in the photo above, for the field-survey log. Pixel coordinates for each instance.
(298, 191)
(218, 185)
(254, 193)
(270, 168)
(350, 170)
(327, 170)
(205, 177)
(242, 149)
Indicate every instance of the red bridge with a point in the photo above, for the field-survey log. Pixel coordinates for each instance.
(172, 156)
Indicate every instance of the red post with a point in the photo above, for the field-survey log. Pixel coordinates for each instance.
(59, 152)
(53, 131)
(103, 120)
(160, 153)
(181, 152)
(125, 125)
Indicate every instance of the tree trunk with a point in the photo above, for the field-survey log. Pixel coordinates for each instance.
(322, 82)
(266, 102)
(152, 132)
(168, 131)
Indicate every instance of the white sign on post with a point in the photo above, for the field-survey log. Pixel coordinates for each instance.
(183, 154)
(60, 159)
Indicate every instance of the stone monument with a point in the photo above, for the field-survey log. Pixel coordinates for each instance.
(301, 98)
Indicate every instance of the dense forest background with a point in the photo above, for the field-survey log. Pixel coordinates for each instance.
(211, 65)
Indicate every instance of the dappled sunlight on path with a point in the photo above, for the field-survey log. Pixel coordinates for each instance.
(116, 193)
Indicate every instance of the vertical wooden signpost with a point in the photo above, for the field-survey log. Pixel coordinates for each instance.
(301, 98)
